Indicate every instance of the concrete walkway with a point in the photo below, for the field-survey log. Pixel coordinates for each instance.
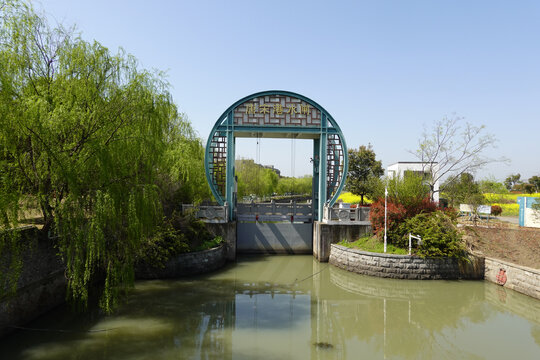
(509, 219)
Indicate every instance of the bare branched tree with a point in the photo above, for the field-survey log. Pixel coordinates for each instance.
(449, 149)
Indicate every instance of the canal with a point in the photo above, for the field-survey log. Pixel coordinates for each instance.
(292, 307)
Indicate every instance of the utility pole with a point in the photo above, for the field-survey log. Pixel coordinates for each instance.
(385, 214)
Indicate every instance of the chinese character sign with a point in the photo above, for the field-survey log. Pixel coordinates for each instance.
(277, 110)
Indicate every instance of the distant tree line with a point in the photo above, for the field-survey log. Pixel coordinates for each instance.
(514, 183)
(258, 180)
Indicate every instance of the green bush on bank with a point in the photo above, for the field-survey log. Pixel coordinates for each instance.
(177, 235)
(409, 210)
(440, 236)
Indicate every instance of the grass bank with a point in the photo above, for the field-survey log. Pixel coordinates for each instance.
(372, 244)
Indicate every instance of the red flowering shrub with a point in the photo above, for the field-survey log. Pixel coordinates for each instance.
(451, 212)
(496, 210)
(396, 214)
(424, 205)
(410, 210)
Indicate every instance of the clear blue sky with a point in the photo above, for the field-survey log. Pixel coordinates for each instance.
(383, 69)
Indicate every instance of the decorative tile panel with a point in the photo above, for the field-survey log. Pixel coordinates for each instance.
(277, 110)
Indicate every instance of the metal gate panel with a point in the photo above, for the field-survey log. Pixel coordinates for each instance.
(274, 238)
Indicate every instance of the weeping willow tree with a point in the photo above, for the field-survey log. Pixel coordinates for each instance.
(85, 135)
(184, 162)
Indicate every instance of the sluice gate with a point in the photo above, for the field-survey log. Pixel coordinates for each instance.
(274, 228)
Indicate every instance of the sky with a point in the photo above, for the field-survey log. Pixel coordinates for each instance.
(384, 70)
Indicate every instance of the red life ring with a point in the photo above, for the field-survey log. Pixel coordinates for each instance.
(501, 277)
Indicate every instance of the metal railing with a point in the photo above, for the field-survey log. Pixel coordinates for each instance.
(272, 211)
(418, 241)
(208, 213)
(474, 213)
(344, 213)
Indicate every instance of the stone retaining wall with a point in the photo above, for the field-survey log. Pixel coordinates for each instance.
(519, 278)
(41, 285)
(375, 288)
(404, 266)
(228, 232)
(186, 264)
(325, 234)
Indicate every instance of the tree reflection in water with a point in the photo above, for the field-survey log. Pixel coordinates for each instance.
(295, 307)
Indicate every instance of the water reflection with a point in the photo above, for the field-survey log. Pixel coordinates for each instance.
(294, 307)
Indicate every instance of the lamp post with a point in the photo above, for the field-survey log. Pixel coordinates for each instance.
(385, 214)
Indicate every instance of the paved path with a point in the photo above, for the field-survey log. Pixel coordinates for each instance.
(509, 219)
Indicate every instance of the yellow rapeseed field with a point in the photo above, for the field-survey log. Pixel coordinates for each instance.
(507, 202)
(348, 197)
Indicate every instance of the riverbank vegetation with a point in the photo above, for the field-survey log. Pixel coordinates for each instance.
(437, 227)
(94, 144)
(178, 234)
(506, 201)
(410, 210)
(400, 206)
(373, 244)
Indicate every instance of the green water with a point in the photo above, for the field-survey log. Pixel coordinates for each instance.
(292, 307)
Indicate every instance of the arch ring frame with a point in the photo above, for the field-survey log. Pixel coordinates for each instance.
(241, 119)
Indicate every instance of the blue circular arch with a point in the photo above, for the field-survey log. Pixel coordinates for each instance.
(219, 152)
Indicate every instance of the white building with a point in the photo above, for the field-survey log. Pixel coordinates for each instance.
(427, 169)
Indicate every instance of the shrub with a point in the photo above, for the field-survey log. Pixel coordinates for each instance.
(396, 213)
(496, 210)
(443, 203)
(439, 234)
(422, 205)
(410, 210)
(176, 235)
(409, 190)
(165, 243)
(209, 244)
(451, 212)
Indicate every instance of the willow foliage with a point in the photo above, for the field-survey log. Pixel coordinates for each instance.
(184, 160)
(86, 134)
